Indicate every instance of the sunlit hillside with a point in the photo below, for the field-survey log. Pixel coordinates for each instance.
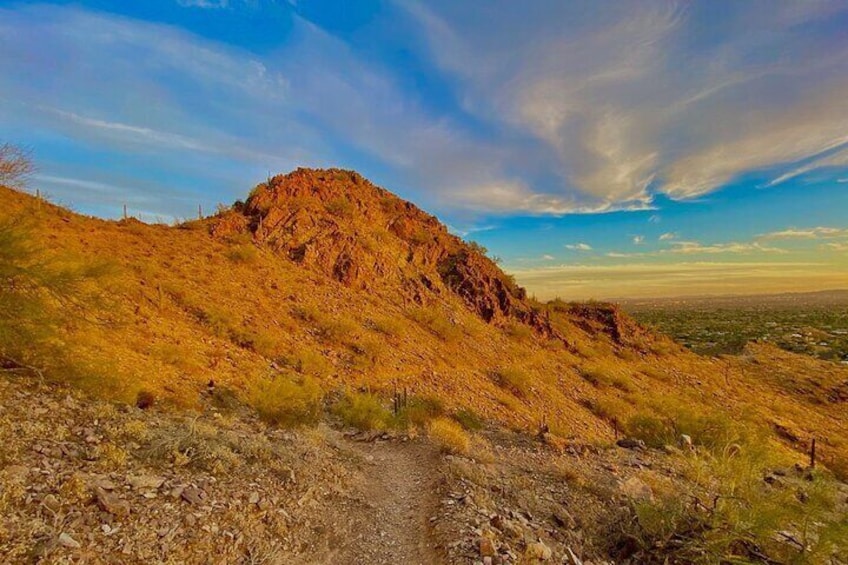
(324, 298)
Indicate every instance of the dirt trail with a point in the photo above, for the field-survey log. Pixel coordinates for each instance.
(400, 494)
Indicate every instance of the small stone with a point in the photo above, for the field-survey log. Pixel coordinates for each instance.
(51, 503)
(17, 472)
(67, 541)
(686, 441)
(487, 547)
(191, 520)
(145, 482)
(192, 495)
(111, 503)
(254, 498)
(630, 443)
(564, 520)
(537, 552)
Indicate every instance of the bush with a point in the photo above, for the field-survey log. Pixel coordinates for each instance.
(419, 412)
(469, 419)
(242, 254)
(40, 295)
(731, 515)
(434, 320)
(340, 207)
(519, 332)
(387, 326)
(366, 352)
(449, 436)
(364, 412)
(287, 401)
(513, 379)
(309, 362)
(600, 376)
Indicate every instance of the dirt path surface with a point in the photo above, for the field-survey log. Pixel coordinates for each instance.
(400, 495)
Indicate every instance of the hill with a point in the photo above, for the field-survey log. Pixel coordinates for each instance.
(324, 297)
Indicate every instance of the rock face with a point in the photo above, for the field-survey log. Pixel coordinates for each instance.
(341, 225)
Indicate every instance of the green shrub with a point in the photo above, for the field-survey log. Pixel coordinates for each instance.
(469, 419)
(364, 412)
(418, 412)
(287, 401)
(40, 296)
(729, 514)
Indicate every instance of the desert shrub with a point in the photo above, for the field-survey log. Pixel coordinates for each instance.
(287, 401)
(609, 409)
(729, 514)
(585, 351)
(519, 332)
(41, 297)
(366, 352)
(364, 412)
(449, 436)
(331, 329)
(655, 373)
(435, 321)
(469, 419)
(388, 326)
(341, 207)
(242, 254)
(309, 362)
(418, 412)
(514, 379)
(601, 376)
(664, 421)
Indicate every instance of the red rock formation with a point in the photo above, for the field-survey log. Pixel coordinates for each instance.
(338, 223)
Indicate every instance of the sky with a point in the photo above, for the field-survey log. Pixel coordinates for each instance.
(599, 149)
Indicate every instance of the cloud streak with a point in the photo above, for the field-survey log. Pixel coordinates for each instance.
(630, 105)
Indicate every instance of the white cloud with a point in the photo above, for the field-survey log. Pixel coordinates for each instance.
(694, 247)
(206, 4)
(638, 239)
(548, 257)
(579, 246)
(627, 104)
(668, 236)
(820, 232)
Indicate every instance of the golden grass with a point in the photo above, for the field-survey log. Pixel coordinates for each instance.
(287, 401)
(449, 436)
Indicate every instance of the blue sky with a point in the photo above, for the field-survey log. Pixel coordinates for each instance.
(601, 149)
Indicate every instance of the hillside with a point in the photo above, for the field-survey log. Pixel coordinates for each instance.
(321, 287)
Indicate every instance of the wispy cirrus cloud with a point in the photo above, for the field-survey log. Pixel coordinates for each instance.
(205, 4)
(629, 105)
(696, 248)
(578, 246)
(820, 232)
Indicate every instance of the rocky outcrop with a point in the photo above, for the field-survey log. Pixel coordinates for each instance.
(337, 223)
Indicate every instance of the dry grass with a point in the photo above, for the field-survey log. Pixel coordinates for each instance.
(449, 436)
(364, 412)
(514, 379)
(287, 401)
